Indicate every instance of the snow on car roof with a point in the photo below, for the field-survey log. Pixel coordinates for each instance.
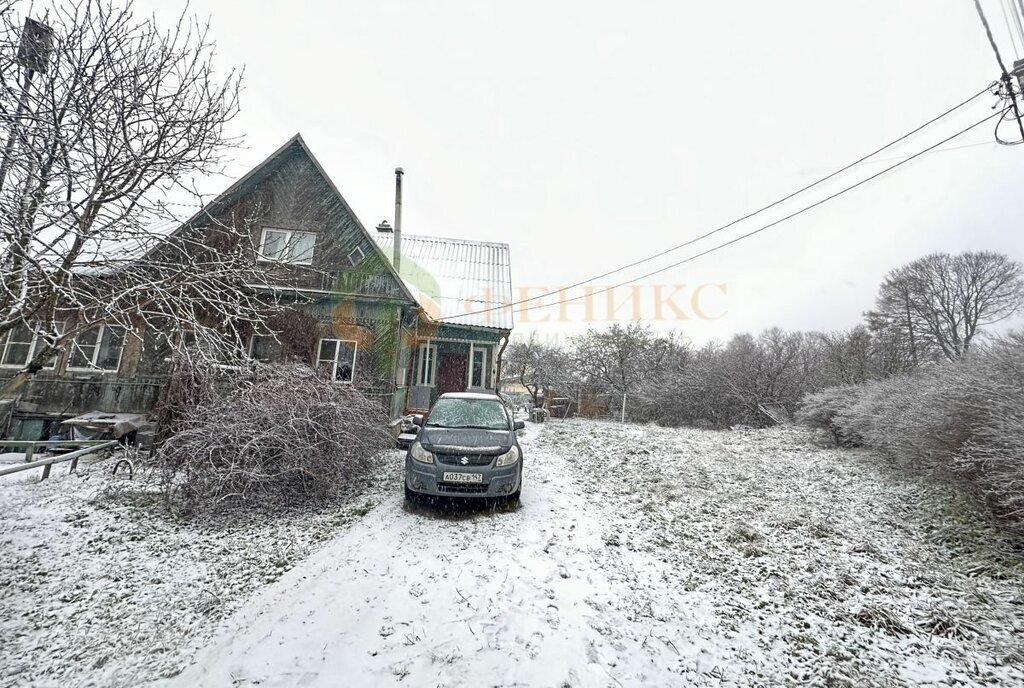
(470, 395)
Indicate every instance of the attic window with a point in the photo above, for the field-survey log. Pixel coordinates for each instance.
(287, 246)
(356, 256)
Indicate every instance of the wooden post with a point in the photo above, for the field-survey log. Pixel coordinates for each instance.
(30, 450)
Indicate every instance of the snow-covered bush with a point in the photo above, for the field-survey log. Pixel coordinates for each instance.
(964, 421)
(992, 456)
(819, 410)
(283, 433)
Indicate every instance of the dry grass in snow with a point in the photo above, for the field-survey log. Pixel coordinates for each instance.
(803, 563)
(640, 556)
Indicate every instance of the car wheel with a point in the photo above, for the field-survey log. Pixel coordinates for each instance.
(513, 499)
(410, 496)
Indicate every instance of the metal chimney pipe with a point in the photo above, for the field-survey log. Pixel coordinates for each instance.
(398, 219)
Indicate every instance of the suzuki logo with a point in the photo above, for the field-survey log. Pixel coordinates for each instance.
(464, 460)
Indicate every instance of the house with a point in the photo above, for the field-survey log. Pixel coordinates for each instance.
(403, 328)
(461, 329)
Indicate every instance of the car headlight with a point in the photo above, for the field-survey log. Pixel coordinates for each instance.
(420, 454)
(509, 457)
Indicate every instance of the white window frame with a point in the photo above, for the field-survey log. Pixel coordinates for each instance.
(473, 350)
(58, 325)
(289, 234)
(362, 256)
(334, 365)
(103, 327)
(426, 368)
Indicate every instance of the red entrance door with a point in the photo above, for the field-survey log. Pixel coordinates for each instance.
(451, 372)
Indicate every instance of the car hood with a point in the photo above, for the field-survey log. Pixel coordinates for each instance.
(466, 440)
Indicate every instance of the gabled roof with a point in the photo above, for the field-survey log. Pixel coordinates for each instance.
(453, 278)
(257, 174)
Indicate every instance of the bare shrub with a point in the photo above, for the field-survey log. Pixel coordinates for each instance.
(992, 457)
(298, 333)
(819, 410)
(285, 433)
(189, 384)
(964, 421)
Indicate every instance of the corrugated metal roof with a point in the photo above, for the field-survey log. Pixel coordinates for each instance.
(453, 278)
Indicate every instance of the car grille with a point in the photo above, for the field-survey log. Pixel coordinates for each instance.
(472, 459)
(461, 489)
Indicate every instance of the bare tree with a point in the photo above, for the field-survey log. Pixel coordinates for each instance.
(538, 367)
(105, 117)
(848, 357)
(944, 302)
(621, 359)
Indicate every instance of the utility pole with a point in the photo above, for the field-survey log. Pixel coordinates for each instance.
(34, 55)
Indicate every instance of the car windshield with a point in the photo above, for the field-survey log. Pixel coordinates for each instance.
(485, 414)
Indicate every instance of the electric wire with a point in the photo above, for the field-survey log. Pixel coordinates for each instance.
(763, 228)
(732, 223)
(1014, 36)
(1018, 21)
(744, 217)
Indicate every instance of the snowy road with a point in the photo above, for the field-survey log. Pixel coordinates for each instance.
(422, 597)
(648, 557)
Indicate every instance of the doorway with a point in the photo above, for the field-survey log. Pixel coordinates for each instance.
(451, 372)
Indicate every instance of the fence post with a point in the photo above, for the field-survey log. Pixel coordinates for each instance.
(46, 471)
(30, 450)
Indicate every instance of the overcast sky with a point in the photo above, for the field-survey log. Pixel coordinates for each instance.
(588, 134)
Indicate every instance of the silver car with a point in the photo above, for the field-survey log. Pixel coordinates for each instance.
(465, 447)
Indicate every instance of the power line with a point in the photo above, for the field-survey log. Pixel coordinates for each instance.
(1010, 93)
(932, 152)
(740, 219)
(764, 227)
(1018, 21)
(1014, 36)
(1018, 16)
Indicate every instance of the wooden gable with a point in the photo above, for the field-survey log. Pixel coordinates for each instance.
(290, 192)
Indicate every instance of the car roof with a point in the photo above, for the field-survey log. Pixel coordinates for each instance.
(470, 395)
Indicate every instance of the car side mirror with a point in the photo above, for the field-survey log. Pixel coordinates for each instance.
(518, 425)
(417, 419)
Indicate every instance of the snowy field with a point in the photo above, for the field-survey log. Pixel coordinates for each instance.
(639, 556)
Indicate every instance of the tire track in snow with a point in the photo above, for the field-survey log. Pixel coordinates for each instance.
(417, 596)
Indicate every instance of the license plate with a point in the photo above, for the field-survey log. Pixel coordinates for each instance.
(462, 478)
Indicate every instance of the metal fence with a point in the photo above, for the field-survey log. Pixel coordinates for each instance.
(86, 447)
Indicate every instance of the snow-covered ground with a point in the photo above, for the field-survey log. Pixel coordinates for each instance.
(639, 556)
(101, 586)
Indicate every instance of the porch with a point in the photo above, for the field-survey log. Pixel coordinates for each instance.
(442, 365)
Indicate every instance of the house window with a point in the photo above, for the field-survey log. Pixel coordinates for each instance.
(355, 257)
(338, 358)
(478, 368)
(264, 348)
(287, 246)
(426, 366)
(97, 348)
(21, 345)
